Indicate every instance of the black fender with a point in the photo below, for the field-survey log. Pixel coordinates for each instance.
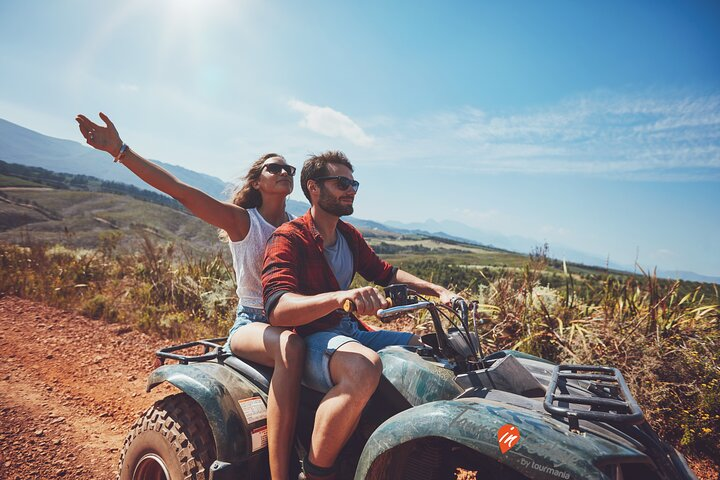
(217, 390)
(546, 448)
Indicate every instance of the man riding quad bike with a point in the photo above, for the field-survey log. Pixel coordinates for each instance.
(438, 408)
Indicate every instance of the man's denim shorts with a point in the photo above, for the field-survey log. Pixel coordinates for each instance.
(320, 346)
(245, 315)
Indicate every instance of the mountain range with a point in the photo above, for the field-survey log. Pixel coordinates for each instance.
(27, 147)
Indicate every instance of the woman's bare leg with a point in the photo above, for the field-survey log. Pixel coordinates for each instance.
(285, 352)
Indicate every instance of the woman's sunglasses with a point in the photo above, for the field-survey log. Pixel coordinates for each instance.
(343, 183)
(276, 168)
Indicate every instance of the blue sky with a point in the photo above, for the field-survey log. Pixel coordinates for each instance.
(593, 125)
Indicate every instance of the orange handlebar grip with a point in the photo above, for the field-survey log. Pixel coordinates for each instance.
(349, 306)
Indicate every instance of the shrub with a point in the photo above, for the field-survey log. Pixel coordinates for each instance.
(100, 307)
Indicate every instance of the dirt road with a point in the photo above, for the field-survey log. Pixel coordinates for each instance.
(70, 387)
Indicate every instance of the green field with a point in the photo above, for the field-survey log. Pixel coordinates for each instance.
(79, 219)
(8, 181)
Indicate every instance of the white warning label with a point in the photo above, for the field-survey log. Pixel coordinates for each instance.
(253, 409)
(259, 438)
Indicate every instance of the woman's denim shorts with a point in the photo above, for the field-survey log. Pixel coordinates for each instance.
(245, 315)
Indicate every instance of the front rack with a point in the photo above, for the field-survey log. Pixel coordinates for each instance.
(212, 349)
(611, 400)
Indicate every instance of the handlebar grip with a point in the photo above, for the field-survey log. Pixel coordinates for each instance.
(400, 309)
(349, 306)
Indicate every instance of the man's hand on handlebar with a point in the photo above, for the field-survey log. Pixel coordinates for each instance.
(365, 300)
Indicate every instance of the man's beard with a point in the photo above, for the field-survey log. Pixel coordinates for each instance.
(332, 205)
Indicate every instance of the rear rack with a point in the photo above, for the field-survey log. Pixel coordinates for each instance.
(611, 402)
(209, 344)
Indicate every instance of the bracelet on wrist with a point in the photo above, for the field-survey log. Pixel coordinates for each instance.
(123, 149)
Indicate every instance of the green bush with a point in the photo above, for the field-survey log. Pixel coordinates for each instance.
(100, 307)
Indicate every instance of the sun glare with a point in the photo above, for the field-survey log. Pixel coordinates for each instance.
(194, 10)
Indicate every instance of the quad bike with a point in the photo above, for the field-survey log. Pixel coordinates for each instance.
(438, 408)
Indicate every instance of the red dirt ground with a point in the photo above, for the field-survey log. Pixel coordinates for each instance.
(70, 388)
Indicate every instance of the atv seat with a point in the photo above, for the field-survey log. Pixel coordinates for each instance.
(213, 350)
(260, 375)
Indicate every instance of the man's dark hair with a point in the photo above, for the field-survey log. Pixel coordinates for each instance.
(316, 166)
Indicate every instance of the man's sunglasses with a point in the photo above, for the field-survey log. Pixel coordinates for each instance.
(343, 183)
(276, 168)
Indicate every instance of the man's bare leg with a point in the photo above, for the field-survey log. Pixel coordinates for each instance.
(355, 371)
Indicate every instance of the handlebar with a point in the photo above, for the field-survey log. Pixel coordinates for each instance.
(455, 345)
(392, 311)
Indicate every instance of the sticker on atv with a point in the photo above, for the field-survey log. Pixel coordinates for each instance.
(508, 436)
(253, 409)
(259, 438)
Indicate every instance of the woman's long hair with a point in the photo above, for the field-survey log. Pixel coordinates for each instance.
(245, 195)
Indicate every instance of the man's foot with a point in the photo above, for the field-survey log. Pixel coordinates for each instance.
(313, 472)
(303, 476)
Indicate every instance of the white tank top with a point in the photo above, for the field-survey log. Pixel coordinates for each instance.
(248, 255)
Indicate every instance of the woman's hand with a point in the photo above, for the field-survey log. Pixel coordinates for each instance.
(105, 138)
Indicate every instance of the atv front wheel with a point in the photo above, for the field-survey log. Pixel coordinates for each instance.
(171, 441)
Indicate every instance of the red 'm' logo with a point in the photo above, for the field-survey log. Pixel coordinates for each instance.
(508, 436)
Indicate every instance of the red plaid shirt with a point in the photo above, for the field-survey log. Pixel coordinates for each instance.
(294, 262)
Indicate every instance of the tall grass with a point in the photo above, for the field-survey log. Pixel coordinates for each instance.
(667, 344)
(157, 288)
(664, 336)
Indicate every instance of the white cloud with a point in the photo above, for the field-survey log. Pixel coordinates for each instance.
(128, 87)
(554, 231)
(641, 136)
(330, 123)
(477, 215)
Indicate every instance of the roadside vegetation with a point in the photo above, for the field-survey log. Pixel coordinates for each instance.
(663, 335)
(16, 175)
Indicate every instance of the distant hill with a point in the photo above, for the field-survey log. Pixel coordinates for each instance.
(21, 185)
(690, 276)
(80, 219)
(515, 243)
(79, 211)
(457, 230)
(26, 147)
(16, 175)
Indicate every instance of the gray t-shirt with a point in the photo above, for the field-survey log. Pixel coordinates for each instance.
(340, 259)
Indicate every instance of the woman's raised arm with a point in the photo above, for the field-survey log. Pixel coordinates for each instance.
(231, 218)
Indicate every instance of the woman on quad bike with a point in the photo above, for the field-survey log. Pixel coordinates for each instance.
(256, 209)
